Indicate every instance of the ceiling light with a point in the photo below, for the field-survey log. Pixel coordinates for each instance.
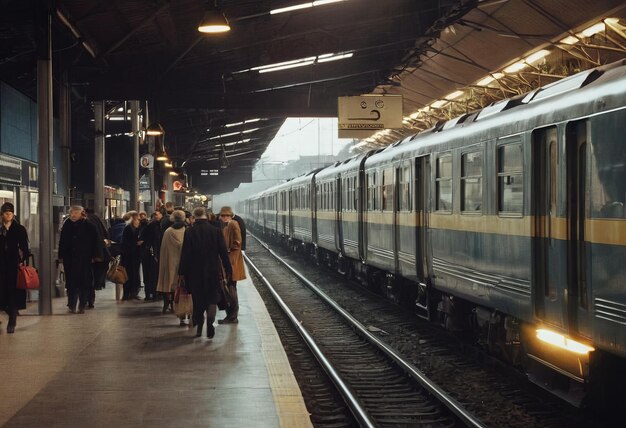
(515, 67)
(291, 8)
(286, 67)
(334, 57)
(247, 131)
(155, 129)
(323, 2)
(214, 21)
(161, 156)
(570, 40)
(230, 125)
(537, 56)
(453, 95)
(594, 29)
(281, 64)
(168, 164)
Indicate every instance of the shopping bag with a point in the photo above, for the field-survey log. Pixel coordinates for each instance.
(184, 306)
(27, 276)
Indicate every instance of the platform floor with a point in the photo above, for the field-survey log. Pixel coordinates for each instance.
(124, 364)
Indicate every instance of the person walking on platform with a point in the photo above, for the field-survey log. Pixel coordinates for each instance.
(79, 248)
(232, 237)
(99, 268)
(131, 257)
(169, 259)
(203, 248)
(13, 249)
(151, 237)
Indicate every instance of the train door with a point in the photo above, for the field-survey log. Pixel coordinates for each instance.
(338, 207)
(549, 230)
(421, 211)
(290, 206)
(404, 239)
(578, 251)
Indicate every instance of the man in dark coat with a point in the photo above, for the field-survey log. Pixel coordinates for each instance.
(242, 227)
(166, 221)
(151, 237)
(203, 248)
(13, 249)
(79, 248)
(99, 268)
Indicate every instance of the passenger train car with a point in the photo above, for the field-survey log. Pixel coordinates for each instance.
(508, 222)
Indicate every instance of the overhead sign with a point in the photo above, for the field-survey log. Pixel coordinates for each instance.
(147, 161)
(360, 117)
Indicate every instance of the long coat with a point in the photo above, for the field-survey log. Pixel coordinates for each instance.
(15, 239)
(79, 245)
(171, 246)
(232, 237)
(203, 248)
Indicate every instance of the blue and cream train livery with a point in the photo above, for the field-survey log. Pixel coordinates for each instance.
(508, 222)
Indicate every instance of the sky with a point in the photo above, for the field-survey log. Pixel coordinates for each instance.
(304, 137)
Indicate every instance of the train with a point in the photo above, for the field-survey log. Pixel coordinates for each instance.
(507, 222)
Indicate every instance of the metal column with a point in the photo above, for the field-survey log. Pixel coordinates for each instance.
(134, 122)
(44, 136)
(98, 168)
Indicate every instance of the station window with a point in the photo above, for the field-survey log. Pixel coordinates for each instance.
(471, 182)
(404, 188)
(387, 185)
(510, 178)
(444, 183)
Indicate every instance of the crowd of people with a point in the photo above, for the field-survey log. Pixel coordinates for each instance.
(198, 251)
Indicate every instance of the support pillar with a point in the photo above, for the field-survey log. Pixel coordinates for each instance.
(99, 160)
(134, 122)
(44, 137)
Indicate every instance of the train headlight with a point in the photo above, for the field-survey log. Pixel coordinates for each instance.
(563, 342)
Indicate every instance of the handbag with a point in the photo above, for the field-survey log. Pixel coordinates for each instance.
(226, 298)
(184, 305)
(117, 273)
(27, 276)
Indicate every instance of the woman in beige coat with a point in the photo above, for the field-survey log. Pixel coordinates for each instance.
(232, 236)
(171, 245)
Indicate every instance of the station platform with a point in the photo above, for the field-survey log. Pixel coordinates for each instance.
(125, 364)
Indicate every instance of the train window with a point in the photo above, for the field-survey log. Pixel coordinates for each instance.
(404, 188)
(510, 178)
(387, 184)
(471, 182)
(444, 183)
(372, 191)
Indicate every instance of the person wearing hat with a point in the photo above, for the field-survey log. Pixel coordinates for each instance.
(232, 236)
(13, 249)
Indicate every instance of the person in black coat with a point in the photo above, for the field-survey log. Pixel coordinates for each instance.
(203, 248)
(131, 256)
(242, 227)
(150, 235)
(79, 248)
(99, 268)
(13, 249)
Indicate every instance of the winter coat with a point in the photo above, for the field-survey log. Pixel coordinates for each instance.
(11, 241)
(79, 246)
(232, 237)
(171, 246)
(203, 249)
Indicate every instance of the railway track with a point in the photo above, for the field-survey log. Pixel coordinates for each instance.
(379, 387)
(389, 384)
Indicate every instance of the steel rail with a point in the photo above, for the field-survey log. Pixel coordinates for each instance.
(348, 394)
(454, 406)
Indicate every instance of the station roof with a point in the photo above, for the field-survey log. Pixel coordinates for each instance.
(211, 97)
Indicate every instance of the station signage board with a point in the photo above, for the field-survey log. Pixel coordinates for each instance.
(362, 116)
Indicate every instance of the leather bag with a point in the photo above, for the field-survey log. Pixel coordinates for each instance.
(117, 273)
(27, 276)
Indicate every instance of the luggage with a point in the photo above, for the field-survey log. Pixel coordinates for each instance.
(117, 273)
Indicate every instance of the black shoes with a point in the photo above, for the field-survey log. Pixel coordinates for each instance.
(210, 331)
(10, 329)
(228, 321)
(199, 330)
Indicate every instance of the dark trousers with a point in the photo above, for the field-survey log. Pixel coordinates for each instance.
(133, 285)
(80, 295)
(198, 313)
(233, 310)
(150, 270)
